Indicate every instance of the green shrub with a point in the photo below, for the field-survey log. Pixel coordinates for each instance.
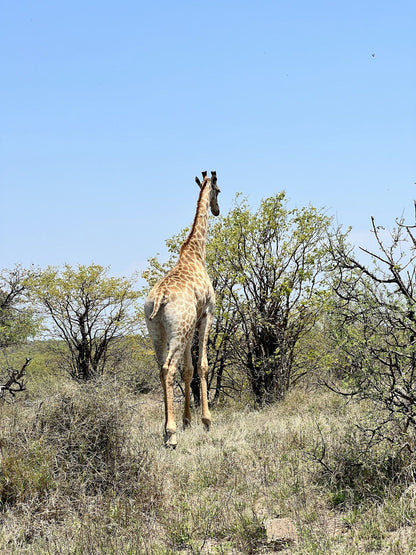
(90, 435)
(77, 444)
(26, 473)
(357, 472)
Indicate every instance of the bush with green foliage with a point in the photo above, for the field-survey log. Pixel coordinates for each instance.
(89, 311)
(17, 318)
(78, 443)
(374, 326)
(269, 271)
(17, 324)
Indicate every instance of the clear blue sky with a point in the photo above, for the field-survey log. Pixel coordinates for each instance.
(109, 109)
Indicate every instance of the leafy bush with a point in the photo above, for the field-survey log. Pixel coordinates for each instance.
(78, 444)
(90, 436)
(375, 330)
(355, 474)
(26, 473)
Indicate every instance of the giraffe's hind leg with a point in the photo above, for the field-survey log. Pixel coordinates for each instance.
(167, 376)
(167, 367)
(178, 326)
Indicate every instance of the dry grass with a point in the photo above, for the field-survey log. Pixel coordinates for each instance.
(85, 472)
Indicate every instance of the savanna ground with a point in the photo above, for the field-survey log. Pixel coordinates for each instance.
(84, 471)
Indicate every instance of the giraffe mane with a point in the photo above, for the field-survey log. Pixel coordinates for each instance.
(198, 205)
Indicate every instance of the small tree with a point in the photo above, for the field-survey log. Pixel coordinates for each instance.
(13, 381)
(17, 320)
(270, 265)
(268, 272)
(88, 310)
(17, 323)
(376, 313)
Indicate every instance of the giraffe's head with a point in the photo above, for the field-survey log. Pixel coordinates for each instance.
(213, 192)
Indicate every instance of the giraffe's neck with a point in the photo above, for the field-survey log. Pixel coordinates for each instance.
(195, 244)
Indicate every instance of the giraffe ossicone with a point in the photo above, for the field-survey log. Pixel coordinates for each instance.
(180, 303)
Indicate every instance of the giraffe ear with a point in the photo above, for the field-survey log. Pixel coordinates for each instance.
(198, 182)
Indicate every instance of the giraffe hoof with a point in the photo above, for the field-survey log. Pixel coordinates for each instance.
(170, 440)
(207, 423)
(186, 423)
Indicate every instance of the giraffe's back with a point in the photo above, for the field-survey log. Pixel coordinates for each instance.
(187, 290)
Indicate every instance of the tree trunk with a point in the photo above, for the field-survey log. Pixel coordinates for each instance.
(196, 382)
(218, 384)
(256, 380)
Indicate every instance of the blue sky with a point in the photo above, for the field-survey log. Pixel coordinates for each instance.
(109, 109)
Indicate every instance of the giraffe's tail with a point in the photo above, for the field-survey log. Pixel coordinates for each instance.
(157, 303)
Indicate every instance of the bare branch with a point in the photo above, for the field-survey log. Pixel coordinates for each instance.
(15, 381)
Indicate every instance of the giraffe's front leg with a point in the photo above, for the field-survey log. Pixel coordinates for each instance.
(187, 374)
(204, 328)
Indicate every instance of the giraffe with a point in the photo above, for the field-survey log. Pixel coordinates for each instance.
(180, 303)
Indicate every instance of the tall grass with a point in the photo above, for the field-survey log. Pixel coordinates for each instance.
(84, 471)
